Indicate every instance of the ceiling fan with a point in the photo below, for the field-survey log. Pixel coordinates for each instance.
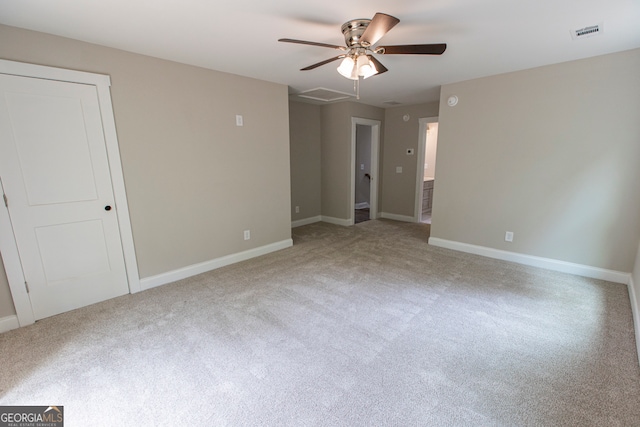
(360, 36)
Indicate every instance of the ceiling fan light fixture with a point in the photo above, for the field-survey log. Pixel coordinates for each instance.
(372, 70)
(362, 66)
(365, 67)
(348, 68)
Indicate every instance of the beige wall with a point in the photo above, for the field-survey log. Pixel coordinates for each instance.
(336, 154)
(399, 189)
(549, 153)
(336, 140)
(194, 180)
(305, 146)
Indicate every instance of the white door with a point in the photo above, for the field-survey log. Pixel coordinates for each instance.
(55, 174)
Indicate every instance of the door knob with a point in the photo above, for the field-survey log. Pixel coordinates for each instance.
(107, 208)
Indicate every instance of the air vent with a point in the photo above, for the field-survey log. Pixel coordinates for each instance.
(326, 95)
(586, 32)
(392, 103)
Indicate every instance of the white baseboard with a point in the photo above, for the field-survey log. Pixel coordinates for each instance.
(534, 261)
(396, 217)
(192, 270)
(305, 221)
(8, 323)
(346, 222)
(322, 218)
(635, 310)
(362, 205)
(336, 221)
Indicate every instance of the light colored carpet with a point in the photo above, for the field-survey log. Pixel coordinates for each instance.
(352, 326)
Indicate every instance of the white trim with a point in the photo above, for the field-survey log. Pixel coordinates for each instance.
(396, 217)
(635, 311)
(24, 69)
(192, 270)
(13, 269)
(337, 221)
(305, 221)
(362, 205)
(535, 261)
(8, 323)
(119, 190)
(11, 258)
(375, 159)
(422, 149)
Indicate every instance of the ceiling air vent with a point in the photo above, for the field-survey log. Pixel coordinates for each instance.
(585, 32)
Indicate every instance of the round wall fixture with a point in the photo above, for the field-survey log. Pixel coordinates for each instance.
(452, 101)
(406, 117)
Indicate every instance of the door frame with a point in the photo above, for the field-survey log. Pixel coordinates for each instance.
(8, 246)
(422, 148)
(375, 148)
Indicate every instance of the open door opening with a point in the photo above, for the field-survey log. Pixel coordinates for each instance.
(425, 177)
(365, 137)
(363, 174)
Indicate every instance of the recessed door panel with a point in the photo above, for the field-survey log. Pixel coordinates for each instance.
(72, 251)
(41, 126)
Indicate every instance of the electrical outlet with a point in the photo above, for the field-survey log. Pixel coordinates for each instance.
(297, 209)
(239, 120)
(508, 236)
(398, 169)
(247, 234)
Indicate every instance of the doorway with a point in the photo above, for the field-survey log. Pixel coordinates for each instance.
(426, 169)
(65, 233)
(365, 137)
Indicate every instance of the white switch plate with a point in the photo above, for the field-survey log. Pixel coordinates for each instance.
(297, 209)
(239, 120)
(362, 166)
(247, 234)
(508, 236)
(398, 169)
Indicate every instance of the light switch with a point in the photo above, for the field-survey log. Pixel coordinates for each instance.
(398, 169)
(362, 167)
(239, 120)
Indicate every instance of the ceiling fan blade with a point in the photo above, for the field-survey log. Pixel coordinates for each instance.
(378, 27)
(413, 49)
(311, 67)
(379, 67)
(332, 46)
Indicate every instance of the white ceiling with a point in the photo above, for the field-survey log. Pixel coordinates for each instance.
(484, 37)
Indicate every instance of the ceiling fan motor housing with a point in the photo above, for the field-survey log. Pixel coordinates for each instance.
(353, 31)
